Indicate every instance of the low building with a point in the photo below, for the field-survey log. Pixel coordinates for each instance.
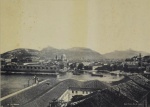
(73, 93)
(81, 88)
(127, 94)
(44, 94)
(148, 68)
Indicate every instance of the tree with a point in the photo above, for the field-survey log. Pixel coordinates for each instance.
(80, 66)
(57, 103)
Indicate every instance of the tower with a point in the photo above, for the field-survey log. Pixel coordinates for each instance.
(63, 57)
(140, 59)
(56, 58)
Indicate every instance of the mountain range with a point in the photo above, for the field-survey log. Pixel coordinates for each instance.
(124, 54)
(76, 53)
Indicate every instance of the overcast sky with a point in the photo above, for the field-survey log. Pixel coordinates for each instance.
(102, 25)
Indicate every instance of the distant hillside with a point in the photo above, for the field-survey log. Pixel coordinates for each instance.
(76, 53)
(20, 53)
(124, 54)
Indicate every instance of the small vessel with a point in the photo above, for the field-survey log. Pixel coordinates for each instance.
(78, 72)
(96, 74)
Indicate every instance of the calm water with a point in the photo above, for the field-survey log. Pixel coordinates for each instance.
(13, 83)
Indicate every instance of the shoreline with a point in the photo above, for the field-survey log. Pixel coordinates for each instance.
(28, 73)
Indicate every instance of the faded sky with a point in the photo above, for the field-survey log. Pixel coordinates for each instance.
(102, 25)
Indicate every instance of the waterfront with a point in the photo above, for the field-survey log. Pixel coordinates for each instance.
(13, 83)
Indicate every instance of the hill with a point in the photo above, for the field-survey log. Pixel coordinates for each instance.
(76, 53)
(124, 54)
(20, 53)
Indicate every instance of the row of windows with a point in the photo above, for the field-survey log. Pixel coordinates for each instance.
(13, 67)
(84, 92)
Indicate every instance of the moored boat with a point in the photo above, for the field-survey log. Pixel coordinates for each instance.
(96, 74)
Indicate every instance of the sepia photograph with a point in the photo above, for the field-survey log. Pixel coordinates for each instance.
(75, 53)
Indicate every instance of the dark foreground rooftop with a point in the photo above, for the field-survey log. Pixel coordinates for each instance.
(128, 94)
(42, 94)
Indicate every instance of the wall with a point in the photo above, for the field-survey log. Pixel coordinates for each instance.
(69, 93)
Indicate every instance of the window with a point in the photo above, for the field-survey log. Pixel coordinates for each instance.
(72, 91)
(76, 92)
(83, 92)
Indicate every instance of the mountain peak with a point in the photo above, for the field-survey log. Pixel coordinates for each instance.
(75, 53)
(79, 48)
(124, 54)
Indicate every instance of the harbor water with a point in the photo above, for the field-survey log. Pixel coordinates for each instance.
(13, 83)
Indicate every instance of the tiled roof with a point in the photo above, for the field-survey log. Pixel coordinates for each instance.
(105, 98)
(116, 96)
(131, 90)
(92, 100)
(60, 88)
(141, 80)
(94, 84)
(31, 94)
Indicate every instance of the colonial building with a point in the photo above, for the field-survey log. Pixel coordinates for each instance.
(132, 93)
(44, 94)
(81, 88)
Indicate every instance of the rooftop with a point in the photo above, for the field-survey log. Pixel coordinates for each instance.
(140, 80)
(128, 93)
(42, 94)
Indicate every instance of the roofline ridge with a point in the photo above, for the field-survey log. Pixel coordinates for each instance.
(124, 94)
